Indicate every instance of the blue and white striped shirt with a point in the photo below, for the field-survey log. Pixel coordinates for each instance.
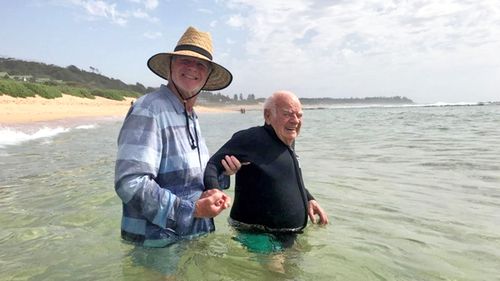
(158, 176)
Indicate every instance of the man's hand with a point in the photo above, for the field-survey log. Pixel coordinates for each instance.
(313, 210)
(211, 203)
(232, 164)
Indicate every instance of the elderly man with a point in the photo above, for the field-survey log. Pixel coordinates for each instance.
(162, 154)
(270, 196)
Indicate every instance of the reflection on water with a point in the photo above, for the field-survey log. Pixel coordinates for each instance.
(412, 193)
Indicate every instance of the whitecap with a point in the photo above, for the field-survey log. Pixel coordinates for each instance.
(86, 127)
(12, 136)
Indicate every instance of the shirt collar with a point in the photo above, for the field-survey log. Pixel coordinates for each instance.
(178, 105)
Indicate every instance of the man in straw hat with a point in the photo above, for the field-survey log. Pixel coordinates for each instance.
(162, 155)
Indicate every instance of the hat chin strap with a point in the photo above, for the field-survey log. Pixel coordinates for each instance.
(184, 99)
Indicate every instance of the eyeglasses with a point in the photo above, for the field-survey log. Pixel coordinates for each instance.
(192, 62)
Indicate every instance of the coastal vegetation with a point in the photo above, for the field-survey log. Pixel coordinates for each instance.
(37, 72)
(50, 91)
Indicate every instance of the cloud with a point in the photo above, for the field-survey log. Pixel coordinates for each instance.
(101, 9)
(370, 28)
(322, 41)
(205, 11)
(235, 21)
(148, 4)
(153, 35)
(140, 14)
(151, 4)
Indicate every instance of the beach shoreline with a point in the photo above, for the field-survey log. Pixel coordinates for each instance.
(38, 109)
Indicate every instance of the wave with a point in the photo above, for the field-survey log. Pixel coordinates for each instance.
(86, 127)
(453, 104)
(437, 104)
(16, 136)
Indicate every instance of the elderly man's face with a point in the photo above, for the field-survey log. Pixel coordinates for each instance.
(189, 74)
(286, 119)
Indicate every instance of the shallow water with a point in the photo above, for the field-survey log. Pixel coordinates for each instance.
(413, 193)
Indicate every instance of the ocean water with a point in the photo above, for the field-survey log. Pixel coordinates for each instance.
(412, 193)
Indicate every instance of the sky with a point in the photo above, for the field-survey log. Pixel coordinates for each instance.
(427, 50)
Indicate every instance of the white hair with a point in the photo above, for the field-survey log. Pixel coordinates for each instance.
(270, 103)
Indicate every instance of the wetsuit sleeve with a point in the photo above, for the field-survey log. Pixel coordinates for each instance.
(137, 165)
(309, 196)
(235, 146)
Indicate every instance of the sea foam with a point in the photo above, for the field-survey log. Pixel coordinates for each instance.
(16, 136)
(10, 136)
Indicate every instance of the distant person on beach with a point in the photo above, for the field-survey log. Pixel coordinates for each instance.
(162, 154)
(271, 204)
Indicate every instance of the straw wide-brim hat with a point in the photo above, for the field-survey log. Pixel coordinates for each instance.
(197, 44)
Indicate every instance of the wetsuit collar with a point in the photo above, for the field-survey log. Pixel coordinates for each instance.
(271, 131)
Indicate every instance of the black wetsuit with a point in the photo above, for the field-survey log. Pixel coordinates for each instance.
(269, 192)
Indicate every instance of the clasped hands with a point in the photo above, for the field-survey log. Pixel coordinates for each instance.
(213, 201)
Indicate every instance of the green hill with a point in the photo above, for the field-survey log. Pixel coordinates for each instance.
(30, 71)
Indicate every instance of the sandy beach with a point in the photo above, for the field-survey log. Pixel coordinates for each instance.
(35, 109)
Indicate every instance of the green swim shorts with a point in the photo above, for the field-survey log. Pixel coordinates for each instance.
(265, 243)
